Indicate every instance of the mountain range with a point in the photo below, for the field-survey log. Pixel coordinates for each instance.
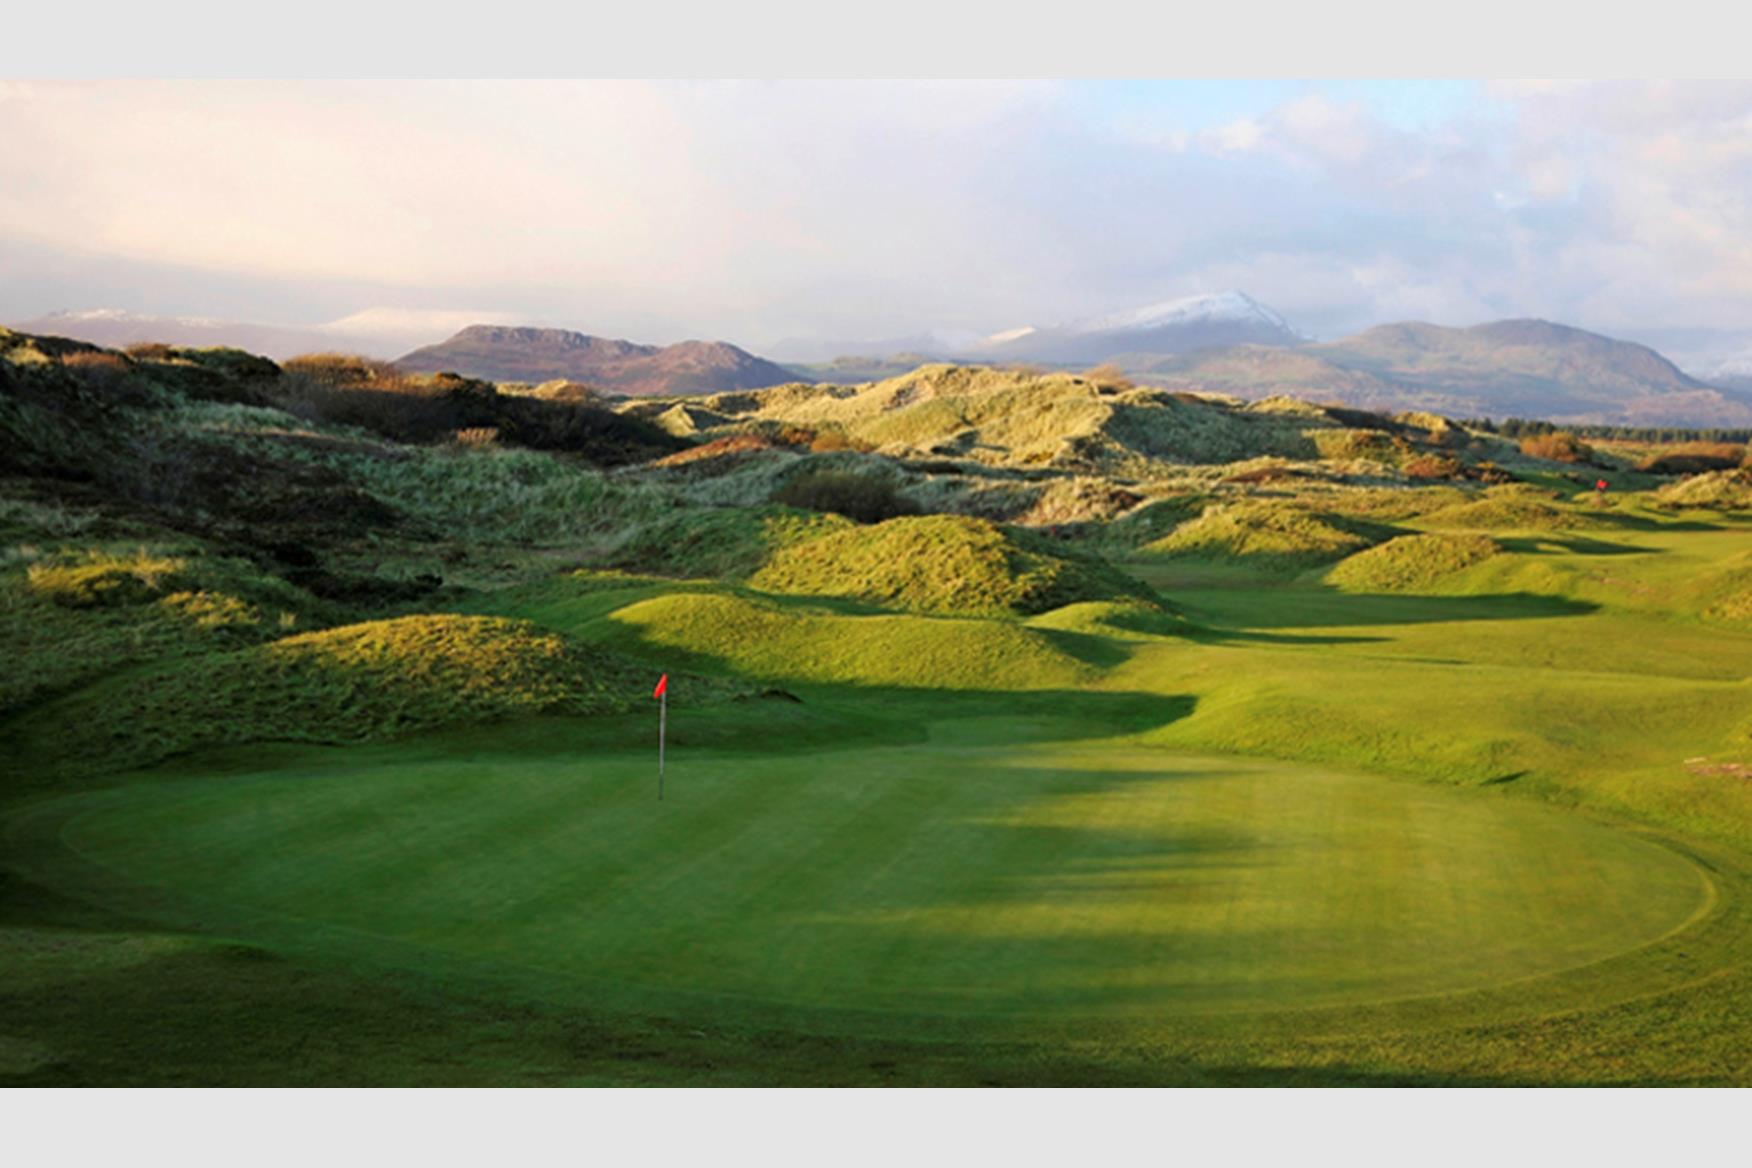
(1171, 326)
(1525, 368)
(1225, 342)
(1231, 343)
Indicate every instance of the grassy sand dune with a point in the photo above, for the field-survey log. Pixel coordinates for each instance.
(943, 564)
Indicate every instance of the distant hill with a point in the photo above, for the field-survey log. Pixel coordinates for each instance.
(502, 353)
(374, 332)
(115, 328)
(1525, 368)
(1174, 326)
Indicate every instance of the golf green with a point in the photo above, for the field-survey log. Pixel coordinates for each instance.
(956, 879)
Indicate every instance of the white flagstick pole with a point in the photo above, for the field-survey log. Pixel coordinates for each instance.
(662, 733)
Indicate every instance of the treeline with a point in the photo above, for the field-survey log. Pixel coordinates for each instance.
(1533, 427)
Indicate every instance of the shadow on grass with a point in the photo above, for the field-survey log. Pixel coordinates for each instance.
(1643, 523)
(1580, 545)
(1215, 636)
(1324, 606)
(195, 1012)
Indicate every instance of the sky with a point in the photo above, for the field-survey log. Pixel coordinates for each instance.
(757, 212)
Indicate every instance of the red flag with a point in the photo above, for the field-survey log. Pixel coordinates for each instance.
(1600, 485)
(662, 686)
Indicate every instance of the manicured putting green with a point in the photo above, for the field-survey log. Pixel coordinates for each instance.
(1048, 882)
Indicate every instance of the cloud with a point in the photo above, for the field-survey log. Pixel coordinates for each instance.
(757, 211)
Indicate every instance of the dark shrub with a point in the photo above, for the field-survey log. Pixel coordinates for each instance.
(1433, 466)
(338, 368)
(353, 391)
(859, 497)
(1695, 458)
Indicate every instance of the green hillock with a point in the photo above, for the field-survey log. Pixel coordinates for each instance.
(1721, 490)
(1267, 535)
(1511, 508)
(1411, 563)
(765, 640)
(944, 564)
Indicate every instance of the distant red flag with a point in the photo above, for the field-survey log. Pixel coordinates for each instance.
(662, 686)
(1600, 484)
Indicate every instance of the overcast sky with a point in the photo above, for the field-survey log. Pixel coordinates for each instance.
(756, 212)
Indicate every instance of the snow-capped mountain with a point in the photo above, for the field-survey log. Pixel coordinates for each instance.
(1171, 326)
(1211, 308)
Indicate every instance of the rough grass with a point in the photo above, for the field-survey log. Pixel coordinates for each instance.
(1411, 563)
(1727, 595)
(76, 614)
(1266, 535)
(943, 564)
(105, 581)
(729, 543)
(1390, 504)
(348, 684)
(483, 494)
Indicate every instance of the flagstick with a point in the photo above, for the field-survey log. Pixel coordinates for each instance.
(662, 733)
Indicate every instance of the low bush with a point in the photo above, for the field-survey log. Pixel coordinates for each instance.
(338, 368)
(1360, 444)
(863, 498)
(1433, 466)
(1557, 446)
(108, 375)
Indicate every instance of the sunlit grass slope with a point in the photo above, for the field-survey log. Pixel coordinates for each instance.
(761, 639)
(1411, 563)
(347, 684)
(68, 617)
